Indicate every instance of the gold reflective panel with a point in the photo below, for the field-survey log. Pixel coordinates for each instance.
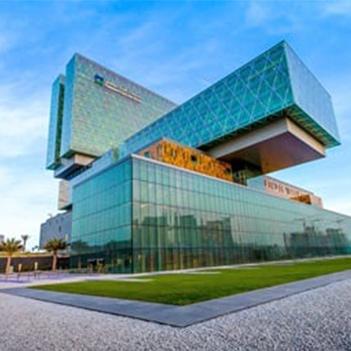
(173, 153)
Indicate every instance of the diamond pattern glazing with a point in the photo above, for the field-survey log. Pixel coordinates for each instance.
(262, 89)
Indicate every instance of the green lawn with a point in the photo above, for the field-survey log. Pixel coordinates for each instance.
(183, 289)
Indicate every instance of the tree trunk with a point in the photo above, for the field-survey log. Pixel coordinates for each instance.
(54, 261)
(8, 264)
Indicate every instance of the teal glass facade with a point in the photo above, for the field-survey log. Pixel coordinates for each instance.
(311, 99)
(141, 215)
(96, 118)
(102, 219)
(274, 84)
(100, 110)
(55, 124)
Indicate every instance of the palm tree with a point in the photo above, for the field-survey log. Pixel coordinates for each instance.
(10, 247)
(55, 245)
(25, 237)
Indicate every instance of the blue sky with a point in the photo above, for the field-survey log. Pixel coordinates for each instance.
(174, 48)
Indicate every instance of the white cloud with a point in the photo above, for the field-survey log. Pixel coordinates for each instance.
(4, 43)
(137, 49)
(268, 15)
(23, 121)
(338, 204)
(26, 198)
(337, 8)
(8, 38)
(10, 27)
(4, 176)
(137, 35)
(257, 14)
(27, 191)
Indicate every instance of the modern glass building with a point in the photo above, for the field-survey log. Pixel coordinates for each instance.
(142, 215)
(192, 199)
(92, 110)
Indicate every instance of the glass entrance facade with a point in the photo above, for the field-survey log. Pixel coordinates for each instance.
(102, 220)
(141, 215)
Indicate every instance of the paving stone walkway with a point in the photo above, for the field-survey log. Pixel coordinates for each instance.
(182, 316)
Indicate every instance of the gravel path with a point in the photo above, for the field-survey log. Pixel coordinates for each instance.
(314, 320)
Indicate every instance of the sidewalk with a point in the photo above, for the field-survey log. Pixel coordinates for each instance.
(185, 315)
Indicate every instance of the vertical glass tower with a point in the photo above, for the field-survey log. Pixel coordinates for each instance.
(94, 109)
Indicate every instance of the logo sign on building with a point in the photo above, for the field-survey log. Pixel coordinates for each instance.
(281, 188)
(116, 89)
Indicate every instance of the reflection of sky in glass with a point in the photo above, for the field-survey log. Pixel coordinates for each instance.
(164, 213)
(274, 81)
(97, 118)
(54, 139)
(309, 94)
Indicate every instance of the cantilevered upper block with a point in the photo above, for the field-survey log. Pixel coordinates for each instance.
(94, 109)
(277, 145)
(274, 85)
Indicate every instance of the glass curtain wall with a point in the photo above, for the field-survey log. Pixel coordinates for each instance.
(140, 215)
(184, 220)
(101, 229)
